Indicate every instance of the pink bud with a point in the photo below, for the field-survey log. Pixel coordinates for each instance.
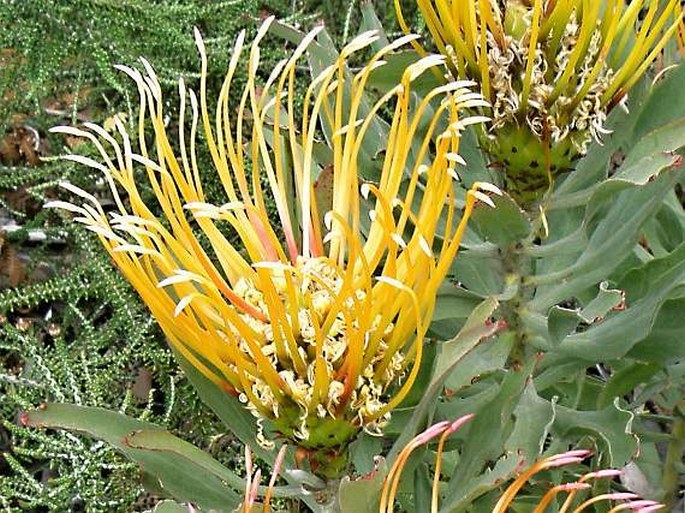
(566, 487)
(431, 432)
(459, 422)
(607, 472)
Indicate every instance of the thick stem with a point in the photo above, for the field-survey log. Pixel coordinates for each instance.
(516, 267)
(326, 499)
(674, 459)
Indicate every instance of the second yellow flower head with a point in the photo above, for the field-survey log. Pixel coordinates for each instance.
(551, 69)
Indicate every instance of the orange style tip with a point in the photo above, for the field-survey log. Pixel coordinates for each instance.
(483, 198)
(642, 505)
(431, 432)
(280, 457)
(254, 490)
(488, 187)
(622, 496)
(248, 460)
(575, 453)
(566, 458)
(229, 389)
(560, 462)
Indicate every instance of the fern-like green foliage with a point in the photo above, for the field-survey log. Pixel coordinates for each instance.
(77, 337)
(66, 46)
(82, 337)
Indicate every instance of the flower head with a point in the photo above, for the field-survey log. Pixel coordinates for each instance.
(551, 70)
(319, 330)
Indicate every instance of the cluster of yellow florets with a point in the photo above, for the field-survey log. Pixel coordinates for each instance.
(570, 115)
(317, 286)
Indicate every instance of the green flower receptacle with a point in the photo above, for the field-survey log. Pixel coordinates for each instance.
(325, 447)
(528, 163)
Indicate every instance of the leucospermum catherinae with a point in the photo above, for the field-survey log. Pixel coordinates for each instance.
(552, 70)
(319, 331)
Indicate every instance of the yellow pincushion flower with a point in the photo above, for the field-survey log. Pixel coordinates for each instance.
(320, 333)
(552, 71)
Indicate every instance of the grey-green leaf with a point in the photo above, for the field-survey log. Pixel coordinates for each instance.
(171, 507)
(504, 224)
(361, 495)
(184, 472)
